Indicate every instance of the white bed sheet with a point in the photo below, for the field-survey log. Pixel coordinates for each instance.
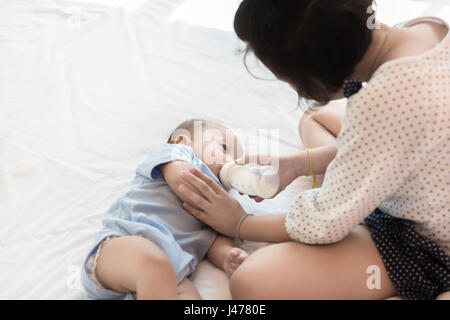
(87, 90)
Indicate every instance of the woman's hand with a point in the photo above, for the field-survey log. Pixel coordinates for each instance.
(217, 208)
(287, 168)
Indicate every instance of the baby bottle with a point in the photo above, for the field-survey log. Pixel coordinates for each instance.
(251, 179)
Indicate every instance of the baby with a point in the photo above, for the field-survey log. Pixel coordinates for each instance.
(149, 245)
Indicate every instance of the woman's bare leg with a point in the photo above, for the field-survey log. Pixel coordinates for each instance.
(298, 271)
(135, 264)
(320, 126)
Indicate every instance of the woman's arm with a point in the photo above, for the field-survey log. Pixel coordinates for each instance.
(222, 212)
(292, 166)
(297, 164)
(254, 228)
(320, 159)
(265, 228)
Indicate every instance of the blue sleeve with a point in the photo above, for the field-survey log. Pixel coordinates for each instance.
(167, 153)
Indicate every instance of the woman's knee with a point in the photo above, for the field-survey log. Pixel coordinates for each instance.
(309, 118)
(329, 116)
(301, 124)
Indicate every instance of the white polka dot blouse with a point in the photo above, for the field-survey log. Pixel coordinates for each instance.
(393, 153)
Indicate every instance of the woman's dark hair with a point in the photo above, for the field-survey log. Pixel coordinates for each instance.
(313, 44)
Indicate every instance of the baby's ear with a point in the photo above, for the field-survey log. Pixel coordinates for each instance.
(183, 139)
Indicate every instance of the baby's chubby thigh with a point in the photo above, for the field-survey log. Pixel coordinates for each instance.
(135, 264)
(145, 258)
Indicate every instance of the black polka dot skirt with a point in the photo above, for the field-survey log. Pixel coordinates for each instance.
(418, 267)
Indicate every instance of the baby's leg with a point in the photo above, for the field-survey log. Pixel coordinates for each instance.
(320, 126)
(135, 264)
(187, 291)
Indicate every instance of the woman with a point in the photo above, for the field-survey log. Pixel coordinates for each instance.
(380, 223)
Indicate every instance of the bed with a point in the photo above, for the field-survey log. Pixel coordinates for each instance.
(88, 89)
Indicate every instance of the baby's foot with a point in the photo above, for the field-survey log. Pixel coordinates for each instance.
(233, 259)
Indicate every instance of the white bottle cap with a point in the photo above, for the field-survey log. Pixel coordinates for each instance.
(224, 174)
(269, 182)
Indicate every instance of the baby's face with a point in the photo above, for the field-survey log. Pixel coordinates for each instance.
(217, 146)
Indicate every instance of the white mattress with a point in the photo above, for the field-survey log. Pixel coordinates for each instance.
(87, 90)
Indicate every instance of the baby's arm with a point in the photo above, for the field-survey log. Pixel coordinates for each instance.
(222, 253)
(225, 256)
(171, 172)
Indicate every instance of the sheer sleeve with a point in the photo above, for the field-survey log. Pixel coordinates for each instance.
(377, 150)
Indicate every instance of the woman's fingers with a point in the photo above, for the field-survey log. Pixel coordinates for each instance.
(258, 199)
(205, 179)
(194, 197)
(206, 191)
(199, 214)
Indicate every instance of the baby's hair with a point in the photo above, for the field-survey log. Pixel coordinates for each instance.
(189, 125)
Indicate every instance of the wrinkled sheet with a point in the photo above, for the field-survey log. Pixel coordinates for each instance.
(87, 90)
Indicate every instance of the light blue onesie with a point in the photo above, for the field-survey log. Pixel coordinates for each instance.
(149, 208)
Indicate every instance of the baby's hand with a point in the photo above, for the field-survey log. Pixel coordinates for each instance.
(233, 259)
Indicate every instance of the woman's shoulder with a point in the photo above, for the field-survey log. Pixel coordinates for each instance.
(432, 44)
(404, 81)
(398, 90)
(405, 98)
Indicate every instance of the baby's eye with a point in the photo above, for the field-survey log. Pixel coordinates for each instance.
(225, 147)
